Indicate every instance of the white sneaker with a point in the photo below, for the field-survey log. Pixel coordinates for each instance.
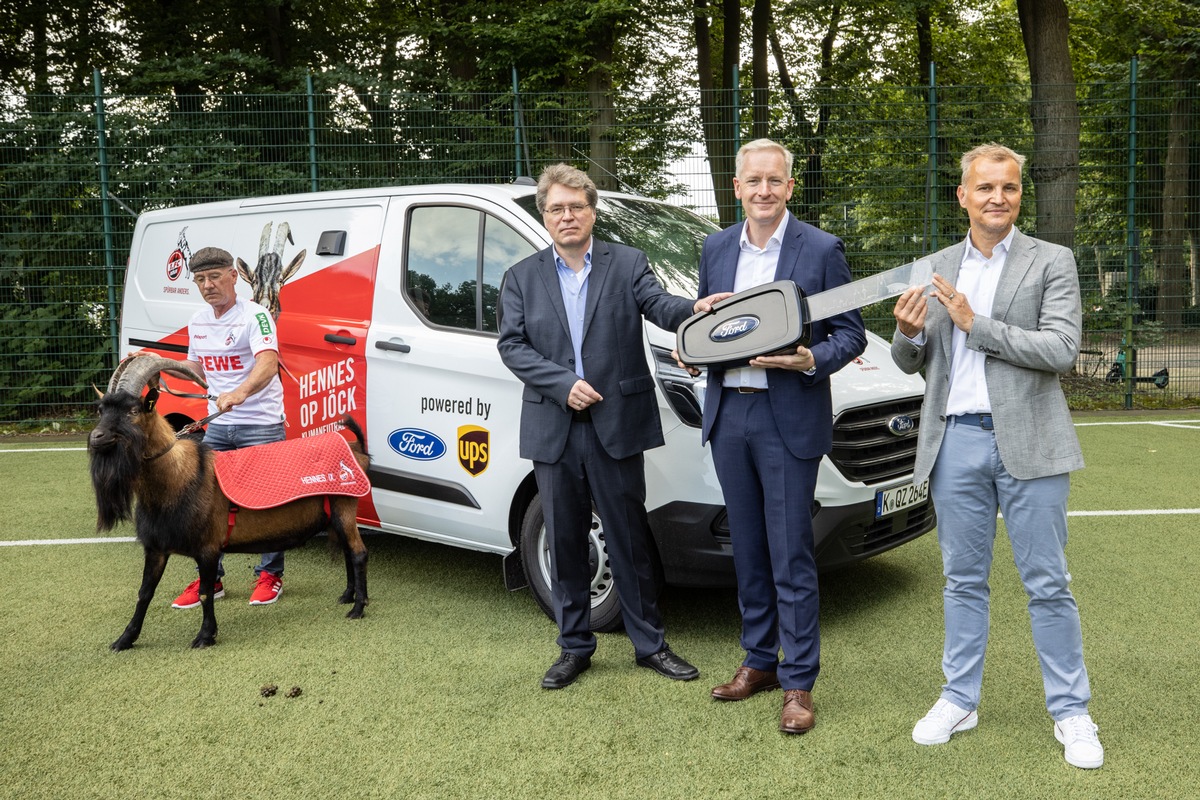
(943, 721)
(1081, 746)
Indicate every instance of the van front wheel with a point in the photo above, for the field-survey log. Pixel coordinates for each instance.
(535, 559)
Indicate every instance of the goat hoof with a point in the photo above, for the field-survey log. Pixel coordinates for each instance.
(355, 613)
(203, 641)
(120, 644)
(347, 597)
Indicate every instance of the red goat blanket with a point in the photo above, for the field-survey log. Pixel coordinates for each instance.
(269, 475)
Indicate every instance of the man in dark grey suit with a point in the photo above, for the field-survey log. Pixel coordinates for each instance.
(571, 329)
(996, 434)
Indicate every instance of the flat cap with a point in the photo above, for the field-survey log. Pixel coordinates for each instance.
(210, 258)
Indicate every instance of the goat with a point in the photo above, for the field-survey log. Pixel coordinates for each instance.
(133, 453)
(269, 275)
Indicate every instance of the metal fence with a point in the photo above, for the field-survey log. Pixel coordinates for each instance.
(877, 166)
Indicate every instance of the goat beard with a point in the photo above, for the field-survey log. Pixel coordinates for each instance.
(115, 471)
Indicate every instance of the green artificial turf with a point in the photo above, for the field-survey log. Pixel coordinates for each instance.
(435, 693)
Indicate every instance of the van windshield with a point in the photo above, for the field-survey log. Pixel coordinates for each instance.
(671, 237)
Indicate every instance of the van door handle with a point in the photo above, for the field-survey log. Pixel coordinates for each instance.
(334, 338)
(399, 347)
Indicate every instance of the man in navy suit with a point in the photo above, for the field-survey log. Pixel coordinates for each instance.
(769, 424)
(571, 329)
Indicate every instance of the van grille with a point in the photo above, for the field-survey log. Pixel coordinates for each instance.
(888, 532)
(865, 450)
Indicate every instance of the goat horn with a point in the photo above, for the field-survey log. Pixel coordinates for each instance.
(264, 240)
(282, 234)
(120, 371)
(138, 372)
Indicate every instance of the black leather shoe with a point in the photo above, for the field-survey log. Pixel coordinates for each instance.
(564, 671)
(664, 662)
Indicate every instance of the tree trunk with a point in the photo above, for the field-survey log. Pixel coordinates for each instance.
(924, 43)
(1173, 289)
(602, 165)
(1054, 163)
(760, 24)
(716, 111)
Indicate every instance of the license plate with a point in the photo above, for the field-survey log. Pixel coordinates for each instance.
(889, 501)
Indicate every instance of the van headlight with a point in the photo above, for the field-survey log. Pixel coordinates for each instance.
(683, 392)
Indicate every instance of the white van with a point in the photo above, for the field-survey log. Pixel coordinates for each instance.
(386, 306)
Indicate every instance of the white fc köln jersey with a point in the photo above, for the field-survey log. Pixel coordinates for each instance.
(226, 348)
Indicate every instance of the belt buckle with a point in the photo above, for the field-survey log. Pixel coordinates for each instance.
(749, 389)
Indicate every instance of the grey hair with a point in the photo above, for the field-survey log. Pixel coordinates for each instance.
(762, 144)
(992, 152)
(565, 175)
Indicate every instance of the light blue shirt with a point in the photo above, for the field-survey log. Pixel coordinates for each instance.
(574, 286)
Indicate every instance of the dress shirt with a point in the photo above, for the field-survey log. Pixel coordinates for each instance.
(574, 286)
(755, 267)
(978, 277)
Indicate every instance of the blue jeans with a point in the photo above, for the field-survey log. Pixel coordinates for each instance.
(235, 437)
(968, 484)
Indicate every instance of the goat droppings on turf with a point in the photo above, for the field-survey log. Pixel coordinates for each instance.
(294, 692)
(268, 689)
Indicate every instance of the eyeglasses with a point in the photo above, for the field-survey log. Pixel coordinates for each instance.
(203, 279)
(558, 211)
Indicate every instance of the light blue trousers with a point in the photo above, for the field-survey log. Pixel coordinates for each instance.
(969, 484)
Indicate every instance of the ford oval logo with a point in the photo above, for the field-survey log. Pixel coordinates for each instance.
(417, 444)
(734, 328)
(901, 425)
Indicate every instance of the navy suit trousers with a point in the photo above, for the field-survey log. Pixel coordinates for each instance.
(769, 497)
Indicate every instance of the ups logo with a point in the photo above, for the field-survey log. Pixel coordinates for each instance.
(473, 444)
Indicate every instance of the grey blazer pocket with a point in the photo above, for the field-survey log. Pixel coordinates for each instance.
(1054, 440)
(531, 395)
(642, 383)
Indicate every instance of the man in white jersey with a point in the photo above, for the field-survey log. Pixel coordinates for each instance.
(233, 343)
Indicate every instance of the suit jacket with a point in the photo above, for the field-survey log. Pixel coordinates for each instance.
(801, 404)
(1030, 338)
(535, 343)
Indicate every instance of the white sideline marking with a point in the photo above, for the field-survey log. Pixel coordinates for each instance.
(1165, 423)
(1138, 512)
(1187, 425)
(92, 540)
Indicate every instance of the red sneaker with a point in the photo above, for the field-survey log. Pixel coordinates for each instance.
(191, 595)
(267, 590)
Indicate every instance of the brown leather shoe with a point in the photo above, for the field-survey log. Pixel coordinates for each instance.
(798, 714)
(746, 681)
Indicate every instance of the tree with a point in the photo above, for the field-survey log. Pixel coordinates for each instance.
(1165, 37)
(1055, 115)
(718, 83)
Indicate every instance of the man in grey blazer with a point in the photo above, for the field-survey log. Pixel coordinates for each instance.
(571, 329)
(996, 435)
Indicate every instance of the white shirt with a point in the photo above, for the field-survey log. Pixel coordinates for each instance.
(226, 348)
(978, 277)
(755, 267)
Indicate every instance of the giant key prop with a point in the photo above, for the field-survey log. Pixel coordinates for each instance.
(774, 318)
